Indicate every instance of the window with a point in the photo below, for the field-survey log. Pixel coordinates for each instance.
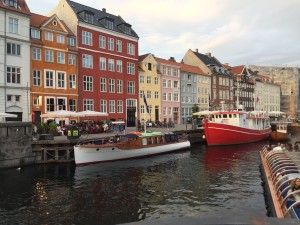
(141, 93)
(156, 80)
(120, 106)
(119, 66)
(49, 79)
(112, 106)
(36, 76)
(102, 43)
(102, 84)
(61, 57)
(164, 83)
(13, 49)
(130, 49)
(88, 104)
(72, 105)
(164, 70)
(130, 68)
(36, 53)
(142, 79)
(156, 94)
(87, 83)
(130, 87)
(13, 75)
(12, 3)
(61, 103)
(164, 97)
(148, 80)
(148, 94)
(103, 106)
(50, 104)
(111, 65)
(60, 39)
(142, 109)
(17, 98)
(89, 17)
(169, 96)
(35, 33)
(71, 59)
(149, 66)
(71, 41)
(9, 98)
(13, 25)
(176, 97)
(119, 86)
(175, 71)
(110, 44)
(169, 83)
(61, 80)
(48, 36)
(169, 71)
(72, 81)
(110, 24)
(87, 61)
(119, 46)
(87, 38)
(49, 56)
(111, 85)
(102, 63)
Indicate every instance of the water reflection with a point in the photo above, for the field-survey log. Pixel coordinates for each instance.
(203, 181)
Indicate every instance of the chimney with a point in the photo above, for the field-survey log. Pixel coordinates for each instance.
(172, 59)
(196, 49)
(104, 10)
(208, 54)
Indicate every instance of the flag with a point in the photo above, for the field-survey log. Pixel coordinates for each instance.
(145, 101)
(209, 100)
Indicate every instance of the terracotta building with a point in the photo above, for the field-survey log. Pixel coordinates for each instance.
(54, 79)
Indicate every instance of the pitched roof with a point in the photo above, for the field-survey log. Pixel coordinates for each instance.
(98, 16)
(38, 21)
(166, 61)
(207, 59)
(191, 69)
(22, 7)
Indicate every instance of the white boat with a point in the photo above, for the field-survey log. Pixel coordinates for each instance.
(131, 145)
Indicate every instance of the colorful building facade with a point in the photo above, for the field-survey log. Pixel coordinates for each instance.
(54, 77)
(108, 61)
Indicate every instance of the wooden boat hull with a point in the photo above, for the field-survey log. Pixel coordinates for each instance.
(279, 136)
(224, 134)
(87, 154)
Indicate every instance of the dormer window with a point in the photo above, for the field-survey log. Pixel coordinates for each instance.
(127, 29)
(87, 16)
(109, 24)
(12, 3)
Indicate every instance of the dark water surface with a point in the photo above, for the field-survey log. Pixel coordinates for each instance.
(205, 181)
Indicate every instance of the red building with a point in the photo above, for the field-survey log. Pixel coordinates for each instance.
(108, 61)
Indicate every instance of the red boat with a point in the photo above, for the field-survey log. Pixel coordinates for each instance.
(236, 127)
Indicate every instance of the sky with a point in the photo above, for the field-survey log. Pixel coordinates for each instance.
(238, 32)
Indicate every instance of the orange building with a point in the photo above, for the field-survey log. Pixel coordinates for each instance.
(54, 76)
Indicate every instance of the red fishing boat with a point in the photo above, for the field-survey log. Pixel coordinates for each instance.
(236, 127)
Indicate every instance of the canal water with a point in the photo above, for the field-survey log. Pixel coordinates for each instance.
(203, 182)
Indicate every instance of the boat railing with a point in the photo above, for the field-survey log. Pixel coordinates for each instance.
(282, 166)
(293, 209)
(277, 175)
(278, 164)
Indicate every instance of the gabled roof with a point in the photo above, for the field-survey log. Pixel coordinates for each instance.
(191, 69)
(23, 8)
(168, 62)
(39, 21)
(98, 16)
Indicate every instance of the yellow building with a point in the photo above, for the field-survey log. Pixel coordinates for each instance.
(150, 86)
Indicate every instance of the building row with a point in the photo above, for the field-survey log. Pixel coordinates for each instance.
(79, 58)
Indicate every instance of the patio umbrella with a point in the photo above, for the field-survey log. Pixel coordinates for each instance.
(60, 114)
(8, 115)
(92, 113)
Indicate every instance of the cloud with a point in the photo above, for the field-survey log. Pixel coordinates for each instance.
(234, 31)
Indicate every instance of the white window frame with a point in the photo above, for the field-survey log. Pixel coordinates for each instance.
(130, 49)
(102, 62)
(61, 79)
(60, 57)
(36, 78)
(49, 81)
(103, 105)
(72, 81)
(112, 106)
(111, 43)
(60, 39)
(13, 25)
(119, 46)
(102, 42)
(48, 36)
(119, 66)
(119, 106)
(71, 59)
(87, 38)
(36, 54)
(87, 61)
(87, 83)
(102, 84)
(130, 68)
(120, 86)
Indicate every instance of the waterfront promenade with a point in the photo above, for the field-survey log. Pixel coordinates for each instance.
(180, 127)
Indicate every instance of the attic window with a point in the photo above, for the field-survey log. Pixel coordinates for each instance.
(54, 23)
(109, 24)
(88, 17)
(12, 3)
(127, 29)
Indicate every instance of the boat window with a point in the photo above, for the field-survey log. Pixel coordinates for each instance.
(144, 141)
(234, 115)
(225, 116)
(230, 115)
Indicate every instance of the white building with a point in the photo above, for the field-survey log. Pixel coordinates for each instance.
(15, 59)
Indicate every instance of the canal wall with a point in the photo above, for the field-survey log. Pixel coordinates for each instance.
(15, 144)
